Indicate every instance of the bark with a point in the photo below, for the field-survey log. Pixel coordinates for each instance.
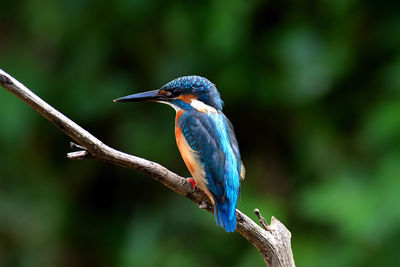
(273, 241)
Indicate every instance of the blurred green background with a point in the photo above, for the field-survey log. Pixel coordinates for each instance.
(312, 89)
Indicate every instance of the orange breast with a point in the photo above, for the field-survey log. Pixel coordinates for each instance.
(190, 158)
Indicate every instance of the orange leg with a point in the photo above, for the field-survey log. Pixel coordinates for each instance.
(192, 181)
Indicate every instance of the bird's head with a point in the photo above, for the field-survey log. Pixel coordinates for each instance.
(188, 92)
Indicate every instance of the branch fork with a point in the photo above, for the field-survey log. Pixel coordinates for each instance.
(83, 153)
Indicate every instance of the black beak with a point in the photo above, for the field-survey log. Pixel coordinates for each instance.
(145, 96)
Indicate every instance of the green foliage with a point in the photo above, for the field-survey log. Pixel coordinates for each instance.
(312, 89)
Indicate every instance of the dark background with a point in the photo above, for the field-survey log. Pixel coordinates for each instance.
(312, 89)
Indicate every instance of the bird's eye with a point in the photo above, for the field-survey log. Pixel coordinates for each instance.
(168, 93)
(175, 92)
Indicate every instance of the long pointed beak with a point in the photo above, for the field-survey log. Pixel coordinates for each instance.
(145, 96)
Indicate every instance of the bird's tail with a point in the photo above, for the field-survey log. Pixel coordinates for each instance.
(225, 215)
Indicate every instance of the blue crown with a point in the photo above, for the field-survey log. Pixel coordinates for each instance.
(198, 86)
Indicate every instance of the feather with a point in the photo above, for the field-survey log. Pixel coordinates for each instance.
(211, 137)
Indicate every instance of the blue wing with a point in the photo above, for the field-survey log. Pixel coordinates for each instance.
(211, 136)
(234, 145)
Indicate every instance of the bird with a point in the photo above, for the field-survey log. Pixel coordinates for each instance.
(206, 141)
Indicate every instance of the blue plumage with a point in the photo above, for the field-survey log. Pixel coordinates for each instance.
(218, 153)
(206, 140)
(204, 90)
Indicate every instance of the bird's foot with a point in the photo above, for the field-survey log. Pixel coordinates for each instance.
(193, 182)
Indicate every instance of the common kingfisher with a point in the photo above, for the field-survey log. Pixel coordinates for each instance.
(205, 139)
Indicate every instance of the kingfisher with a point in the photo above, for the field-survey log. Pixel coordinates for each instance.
(205, 139)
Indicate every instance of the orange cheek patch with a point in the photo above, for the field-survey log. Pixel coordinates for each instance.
(187, 98)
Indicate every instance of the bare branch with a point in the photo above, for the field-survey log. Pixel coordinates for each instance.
(274, 244)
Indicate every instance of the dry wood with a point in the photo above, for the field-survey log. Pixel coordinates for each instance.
(273, 242)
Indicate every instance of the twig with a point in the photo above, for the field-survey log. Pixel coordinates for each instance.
(274, 245)
(77, 155)
(76, 146)
(262, 220)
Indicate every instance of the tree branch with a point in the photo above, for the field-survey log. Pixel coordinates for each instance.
(273, 242)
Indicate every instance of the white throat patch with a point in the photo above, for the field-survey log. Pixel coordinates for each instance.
(200, 106)
(170, 104)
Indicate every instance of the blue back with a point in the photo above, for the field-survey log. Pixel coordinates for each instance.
(211, 136)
